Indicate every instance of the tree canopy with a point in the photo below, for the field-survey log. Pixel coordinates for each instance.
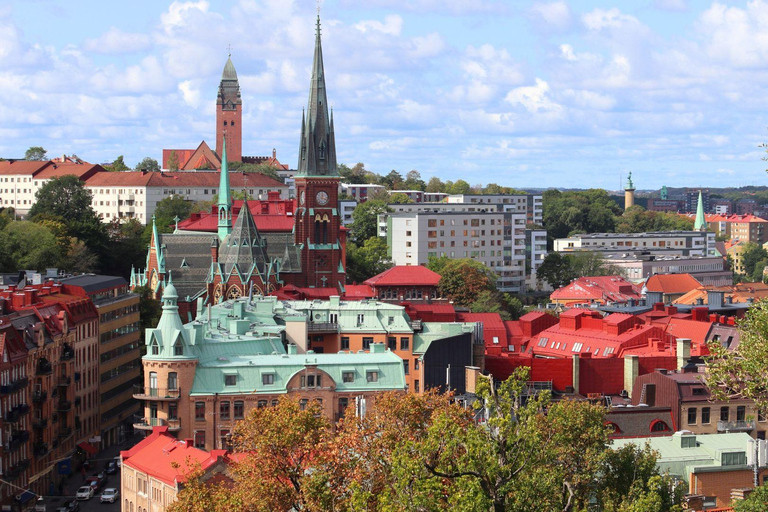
(150, 165)
(36, 153)
(365, 220)
(118, 165)
(368, 260)
(588, 211)
(64, 197)
(463, 280)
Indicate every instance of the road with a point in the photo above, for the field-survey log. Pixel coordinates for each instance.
(98, 463)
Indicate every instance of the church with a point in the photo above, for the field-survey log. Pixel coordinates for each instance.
(257, 247)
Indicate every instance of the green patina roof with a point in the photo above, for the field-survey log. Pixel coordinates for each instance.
(431, 331)
(376, 316)
(701, 222)
(681, 461)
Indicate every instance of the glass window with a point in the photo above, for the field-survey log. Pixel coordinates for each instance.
(200, 439)
(173, 380)
(230, 380)
(405, 367)
(344, 343)
(692, 416)
(200, 411)
(372, 376)
(268, 379)
(261, 404)
(178, 348)
(224, 410)
(724, 414)
(367, 342)
(741, 413)
(392, 343)
(348, 377)
(705, 415)
(239, 409)
(405, 343)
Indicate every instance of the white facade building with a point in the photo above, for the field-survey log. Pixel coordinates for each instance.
(497, 239)
(531, 204)
(682, 243)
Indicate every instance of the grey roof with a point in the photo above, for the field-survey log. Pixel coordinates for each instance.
(244, 247)
(229, 71)
(93, 283)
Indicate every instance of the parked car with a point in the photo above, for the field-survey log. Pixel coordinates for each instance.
(73, 506)
(111, 468)
(85, 492)
(118, 461)
(109, 495)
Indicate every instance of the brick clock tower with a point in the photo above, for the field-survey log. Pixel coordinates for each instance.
(318, 225)
(229, 114)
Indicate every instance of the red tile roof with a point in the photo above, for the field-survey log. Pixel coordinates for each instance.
(9, 167)
(82, 171)
(405, 275)
(358, 291)
(598, 289)
(208, 179)
(157, 454)
(278, 216)
(672, 283)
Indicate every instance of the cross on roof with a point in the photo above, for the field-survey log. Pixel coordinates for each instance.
(229, 49)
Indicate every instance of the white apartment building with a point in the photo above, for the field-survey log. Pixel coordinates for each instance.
(531, 204)
(346, 207)
(682, 243)
(708, 270)
(497, 239)
(535, 252)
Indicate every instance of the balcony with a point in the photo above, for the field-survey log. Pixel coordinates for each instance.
(67, 353)
(735, 426)
(39, 396)
(322, 327)
(17, 469)
(17, 440)
(39, 423)
(44, 368)
(16, 413)
(64, 381)
(161, 394)
(64, 406)
(416, 325)
(65, 431)
(147, 424)
(40, 450)
(14, 386)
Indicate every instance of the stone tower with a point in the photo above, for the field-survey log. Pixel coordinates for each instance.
(229, 114)
(317, 185)
(629, 193)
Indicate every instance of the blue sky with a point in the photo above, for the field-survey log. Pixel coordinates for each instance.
(523, 93)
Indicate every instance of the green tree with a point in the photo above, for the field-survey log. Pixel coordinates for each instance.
(365, 220)
(435, 185)
(588, 263)
(151, 165)
(26, 245)
(584, 211)
(149, 310)
(492, 301)
(393, 180)
(36, 153)
(463, 280)
(751, 255)
(171, 207)
(368, 260)
(757, 501)
(118, 165)
(413, 181)
(637, 219)
(400, 198)
(173, 161)
(437, 263)
(65, 197)
(557, 270)
(460, 187)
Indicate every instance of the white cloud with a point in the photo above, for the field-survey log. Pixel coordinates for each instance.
(190, 93)
(534, 98)
(179, 14)
(600, 19)
(392, 25)
(736, 36)
(115, 41)
(554, 14)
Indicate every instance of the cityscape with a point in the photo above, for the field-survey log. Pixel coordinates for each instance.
(266, 314)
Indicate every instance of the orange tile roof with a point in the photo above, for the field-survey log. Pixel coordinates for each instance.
(208, 179)
(9, 167)
(157, 454)
(405, 275)
(672, 283)
(82, 171)
(598, 288)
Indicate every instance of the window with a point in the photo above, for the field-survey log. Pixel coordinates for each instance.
(392, 343)
(360, 319)
(239, 409)
(200, 439)
(225, 439)
(268, 379)
(416, 363)
(367, 342)
(200, 411)
(261, 404)
(155, 348)
(311, 381)
(303, 404)
(405, 367)
(692, 416)
(372, 376)
(659, 426)
(705, 415)
(405, 343)
(416, 386)
(178, 348)
(224, 410)
(733, 459)
(173, 381)
(343, 404)
(724, 414)
(230, 380)
(344, 343)
(688, 442)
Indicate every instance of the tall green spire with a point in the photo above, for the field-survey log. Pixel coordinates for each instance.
(225, 197)
(317, 148)
(158, 247)
(701, 221)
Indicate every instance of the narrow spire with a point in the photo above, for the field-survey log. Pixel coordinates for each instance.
(701, 221)
(225, 197)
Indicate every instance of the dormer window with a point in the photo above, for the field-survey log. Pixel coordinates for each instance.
(155, 348)
(178, 348)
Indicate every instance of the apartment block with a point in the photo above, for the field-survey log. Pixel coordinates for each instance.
(682, 243)
(497, 239)
(531, 204)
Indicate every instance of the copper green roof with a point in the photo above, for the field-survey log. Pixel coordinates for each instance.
(229, 72)
(701, 223)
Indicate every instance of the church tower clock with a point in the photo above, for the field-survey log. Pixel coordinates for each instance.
(318, 226)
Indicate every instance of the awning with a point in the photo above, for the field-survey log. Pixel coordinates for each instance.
(25, 496)
(88, 448)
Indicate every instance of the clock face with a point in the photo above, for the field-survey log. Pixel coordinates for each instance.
(302, 197)
(322, 197)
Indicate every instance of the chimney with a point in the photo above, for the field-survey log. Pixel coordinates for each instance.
(274, 153)
(631, 371)
(575, 377)
(683, 352)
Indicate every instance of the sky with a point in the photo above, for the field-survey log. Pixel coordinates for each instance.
(520, 93)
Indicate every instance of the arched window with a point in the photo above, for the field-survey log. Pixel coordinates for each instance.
(659, 426)
(614, 427)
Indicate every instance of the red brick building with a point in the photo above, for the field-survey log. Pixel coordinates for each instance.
(405, 282)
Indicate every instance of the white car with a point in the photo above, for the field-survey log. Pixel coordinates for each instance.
(109, 495)
(84, 493)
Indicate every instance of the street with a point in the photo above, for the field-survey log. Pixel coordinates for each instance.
(98, 464)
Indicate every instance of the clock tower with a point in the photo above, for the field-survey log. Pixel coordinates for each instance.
(317, 222)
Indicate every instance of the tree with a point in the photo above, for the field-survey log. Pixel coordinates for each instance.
(26, 245)
(460, 187)
(741, 372)
(365, 220)
(173, 161)
(392, 180)
(171, 207)
(751, 255)
(435, 185)
(149, 309)
(118, 165)
(463, 280)
(151, 165)
(37, 153)
(400, 198)
(757, 501)
(265, 169)
(637, 219)
(413, 181)
(584, 211)
(368, 260)
(492, 301)
(437, 263)
(556, 270)
(588, 263)
(65, 197)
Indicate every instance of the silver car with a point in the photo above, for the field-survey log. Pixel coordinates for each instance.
(109, 495)
(84, 493)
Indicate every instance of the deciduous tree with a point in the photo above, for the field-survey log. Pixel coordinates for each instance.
(365, 220)
(368, 260)
(151, 165)
(464, 279)
(36, 153)
(64, 197)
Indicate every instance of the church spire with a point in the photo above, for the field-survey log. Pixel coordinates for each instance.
(229, 114)
(317, 148)
(701, 222)
(225, 199)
